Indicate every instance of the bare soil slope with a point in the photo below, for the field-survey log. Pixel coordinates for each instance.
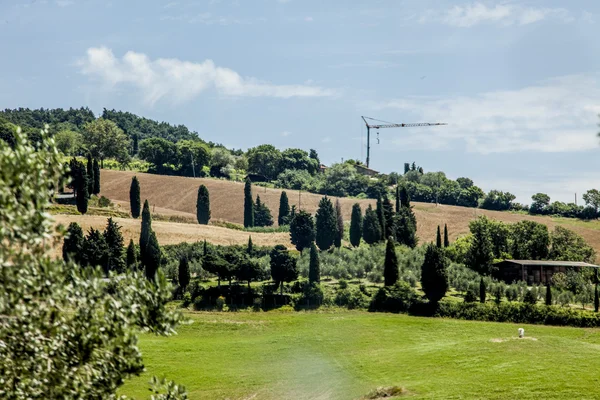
(178, 194)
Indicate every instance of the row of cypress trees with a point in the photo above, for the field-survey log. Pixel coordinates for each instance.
(84, 180)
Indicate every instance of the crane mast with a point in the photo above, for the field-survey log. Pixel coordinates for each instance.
(390, 125)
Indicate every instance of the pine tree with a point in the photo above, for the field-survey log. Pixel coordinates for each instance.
(183, 273)
(284, 210)
(250, 248)
(482, 291)
(446, 240)
(90, 174)
(248, 205)
(96, 177)
(381, 218)
(134, 197)
(146, 229)
(434, 274)
(314, 268)
(302, 230)
(131, 255)
(548, 294)
(151, 257)
(356, 225)
(397, 198)
(326, 224)
(82, 193)
(340, 224)
(371, 227)
(203, 205)
(73, 243)
(262, 214)
(114, 243)
(438, 239)
(95, 250)
(390, 267)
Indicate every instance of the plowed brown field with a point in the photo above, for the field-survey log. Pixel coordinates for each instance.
(177, 195)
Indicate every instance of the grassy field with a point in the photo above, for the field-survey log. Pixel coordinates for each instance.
(177, 196)
(345, 355)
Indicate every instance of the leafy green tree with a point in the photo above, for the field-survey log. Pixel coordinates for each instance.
(434, 273)
(151, 257)
(265, 160)
(314, 267)
(104, 139)
(283, 266)
(371, 227)
(438, 239)
(297, 159)
(82, 193)
(158, 152)
(567, 245)
(390, 266)
(134, 197)
(339, 223)
(248, 271)
(314, 156)
(381, 218)
(356, 225)
(203, 205)
(217, 265)
(284, 210)
(499, 201)
(529, 297)
(302, 230)
(592, 199)
(76, 334)
(145, 230)
(480, 254)
(90, 174)
(183, 273)
(73, 243)
(530, 240)
(262, 214)
(95, 250)
(96, 177)
(131, 256)
(326, 224)
(540, 202)
(248, 205)
(446, 239)
(192, 156)
(68, 142)
(482, 290)
(114, 243)
(548, 295)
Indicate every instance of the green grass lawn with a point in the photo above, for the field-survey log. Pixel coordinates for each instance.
(345, 355)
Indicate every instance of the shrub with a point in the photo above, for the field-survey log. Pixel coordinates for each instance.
(187, 300)
(352, 299)
(397, 298)
(104, 202)
(198, 303)
(472, 294)
(530, 297)
(343, 284)
(512, 293)
(220, 303)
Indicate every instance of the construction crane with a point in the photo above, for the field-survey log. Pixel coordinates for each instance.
(389, 125)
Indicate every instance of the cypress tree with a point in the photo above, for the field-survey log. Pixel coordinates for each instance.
(90, 174)
(326, 224)
(248, 205)
(73, 243)
(146, 229)
(82, 193)
(389, 219)
(438, 240)
(183, 273)
(404, 197)
(406, 167)
(481, 291)
(114, 243)
(397, 198)
(302, 230)
(95, 250)
(250, 248)
(356, 225)
(406, 228)
(284, 210)
(205, 248)
(434, 274)
(262, 214)
(371, 228)
(390, 267)
(131, 255)
(314, 268)
(96, 177)
(151, 257)
(381, 217)
(203, 205)
(446, 240)
(134, 197)
(340, 224)
(548, 295)
(596, 298)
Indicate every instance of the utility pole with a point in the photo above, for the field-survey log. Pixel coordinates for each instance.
(193, 168)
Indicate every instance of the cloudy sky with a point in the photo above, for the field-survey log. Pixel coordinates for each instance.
(518, 82)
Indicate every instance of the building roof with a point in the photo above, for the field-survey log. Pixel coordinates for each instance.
(551, 263)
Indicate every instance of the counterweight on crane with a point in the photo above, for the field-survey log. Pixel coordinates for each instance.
(390, 125)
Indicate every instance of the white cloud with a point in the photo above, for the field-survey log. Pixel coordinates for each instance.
(559, 115)
(286, 133)
(64, 3)
(177, 80)
(469, 15)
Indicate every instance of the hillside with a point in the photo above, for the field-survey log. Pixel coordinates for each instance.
(178, 195)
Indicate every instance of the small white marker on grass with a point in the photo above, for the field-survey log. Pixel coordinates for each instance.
(521, 333)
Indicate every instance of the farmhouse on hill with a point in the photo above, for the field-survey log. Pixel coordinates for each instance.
(534, 271)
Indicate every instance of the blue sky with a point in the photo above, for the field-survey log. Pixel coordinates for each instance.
(517, 81)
